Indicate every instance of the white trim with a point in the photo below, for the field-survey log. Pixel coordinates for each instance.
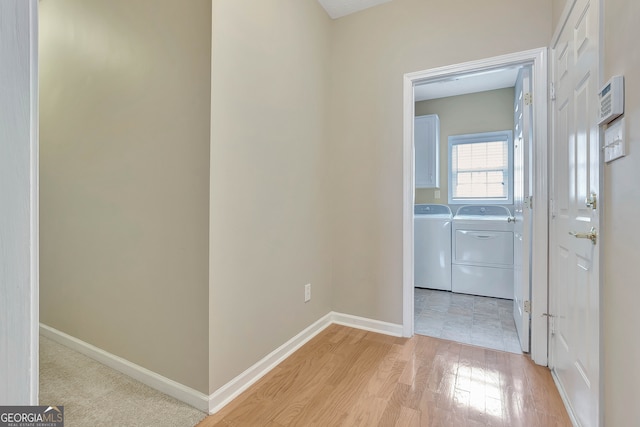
(233, 388)
(600, 226)
(371, 325)
(408, 200)
(19, 305)
(538, 59)
(565, 400)
(34, 386)
(540, 232)
(225, 394)
(163, 384)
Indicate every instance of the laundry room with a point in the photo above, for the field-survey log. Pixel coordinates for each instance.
(467, 133)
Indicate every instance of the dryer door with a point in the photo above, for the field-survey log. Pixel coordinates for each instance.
(484, 247)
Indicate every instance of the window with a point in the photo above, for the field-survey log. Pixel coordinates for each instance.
(481, 168)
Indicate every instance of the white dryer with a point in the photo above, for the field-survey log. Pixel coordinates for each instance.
(482, 251)
(432, 246)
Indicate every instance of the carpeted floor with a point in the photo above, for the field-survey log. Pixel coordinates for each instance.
(95, 395)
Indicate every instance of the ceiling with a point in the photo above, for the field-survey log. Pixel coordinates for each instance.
(468, 83)
(339, 8)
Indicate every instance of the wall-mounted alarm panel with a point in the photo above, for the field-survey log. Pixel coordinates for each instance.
(611, 98)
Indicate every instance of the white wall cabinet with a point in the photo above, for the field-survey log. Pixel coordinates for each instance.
(427, 151)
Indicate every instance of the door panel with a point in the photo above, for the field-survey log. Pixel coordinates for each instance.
(574, 261)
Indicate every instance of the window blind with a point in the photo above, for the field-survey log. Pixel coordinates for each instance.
(479, 167)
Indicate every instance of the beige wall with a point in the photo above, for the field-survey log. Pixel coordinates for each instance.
(473, 113)
(621, 233)
(372, 50)
(269, 228)
(124, 179)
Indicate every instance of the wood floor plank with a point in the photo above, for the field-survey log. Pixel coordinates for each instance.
(345, 385)
(372, 353)
(408, 418)
(361, 412)
(394, 406)
(348, 377)
(367, 411)
(302, 395)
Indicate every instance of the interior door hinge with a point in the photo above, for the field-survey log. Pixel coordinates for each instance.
(552, 95)
(528, 98)
(527, 307)
(528, 202)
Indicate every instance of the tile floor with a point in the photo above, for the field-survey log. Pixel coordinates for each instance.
(482, 321)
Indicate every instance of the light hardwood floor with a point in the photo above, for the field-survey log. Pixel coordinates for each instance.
(349, 377)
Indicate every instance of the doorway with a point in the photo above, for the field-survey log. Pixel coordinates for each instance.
(536, 59)
(478, 152)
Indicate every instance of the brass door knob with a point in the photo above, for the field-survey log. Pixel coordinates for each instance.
(591, 235)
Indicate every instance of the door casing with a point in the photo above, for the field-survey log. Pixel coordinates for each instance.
(521, 212)
(537, 58)
(19, 203)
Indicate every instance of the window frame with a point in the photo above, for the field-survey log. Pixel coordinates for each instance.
(472, 138)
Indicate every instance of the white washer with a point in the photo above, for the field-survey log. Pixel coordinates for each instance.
(482, 251)
(432, 246)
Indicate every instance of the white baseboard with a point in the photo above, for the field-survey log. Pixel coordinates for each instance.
(565, 400)
(233, 388)
(367, 324)
(225, 394)
(163, 384)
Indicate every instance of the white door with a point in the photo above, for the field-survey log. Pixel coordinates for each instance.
(523, 118)
(574, 259)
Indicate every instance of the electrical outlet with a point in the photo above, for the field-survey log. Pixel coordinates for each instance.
(307, 292)
(436, 194)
